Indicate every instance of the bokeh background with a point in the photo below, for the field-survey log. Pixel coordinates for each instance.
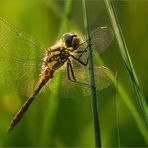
(61, 116)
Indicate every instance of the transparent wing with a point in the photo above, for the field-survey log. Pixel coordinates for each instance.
(102, 79)
(101, 38)
(20, 58)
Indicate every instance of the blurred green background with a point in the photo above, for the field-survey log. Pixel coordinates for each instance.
(62, 116)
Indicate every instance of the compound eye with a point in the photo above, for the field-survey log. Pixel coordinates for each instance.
(67, 38)
(75, 42)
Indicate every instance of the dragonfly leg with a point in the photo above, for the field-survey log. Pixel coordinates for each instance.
(69, 68)
(82, 52)
(81, 62)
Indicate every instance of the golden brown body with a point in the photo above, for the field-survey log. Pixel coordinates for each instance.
(54, 58)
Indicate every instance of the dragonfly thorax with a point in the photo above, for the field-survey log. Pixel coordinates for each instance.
(71, 41)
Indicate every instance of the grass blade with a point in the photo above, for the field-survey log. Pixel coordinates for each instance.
(135, 114)
(127, 60)
(92, 79)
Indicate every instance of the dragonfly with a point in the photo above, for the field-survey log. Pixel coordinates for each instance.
(21, 57)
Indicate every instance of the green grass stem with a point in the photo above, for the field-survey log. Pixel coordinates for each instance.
(127, 60)
(92, 79)
(135, 114)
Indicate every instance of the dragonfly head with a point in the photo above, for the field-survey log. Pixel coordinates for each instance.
(71, 41)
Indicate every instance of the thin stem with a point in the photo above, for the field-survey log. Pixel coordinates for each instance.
(127, 100)
(92, 79)
(127, 60)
